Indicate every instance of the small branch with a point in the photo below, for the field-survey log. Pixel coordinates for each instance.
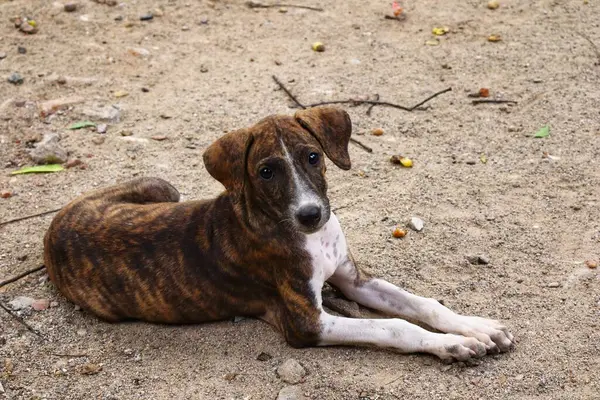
(23, 275)
(596, 50)
(493, 101)
(21, 321)
(430, 97)
(364, 146)
(360, 102)
(290, 95)
(372, 105)
(255, 4)
(70, 355)
(10, 221)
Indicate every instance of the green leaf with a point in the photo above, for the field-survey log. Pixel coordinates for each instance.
(39, 169)
(543, 132)
(81, 124)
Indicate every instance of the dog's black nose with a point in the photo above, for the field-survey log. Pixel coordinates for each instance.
(309, 215)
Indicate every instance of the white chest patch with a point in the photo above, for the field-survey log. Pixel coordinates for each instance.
(328, 250)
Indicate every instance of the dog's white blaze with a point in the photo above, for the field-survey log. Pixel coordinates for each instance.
(330, 261)
(304, 195)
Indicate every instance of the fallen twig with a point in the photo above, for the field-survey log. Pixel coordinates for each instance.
(255, 4)
(21, 321)
(10, 221)
(596, 49)
(355, 102)
(493, 101)
(23, 275)
(70, 355)
(364, 146)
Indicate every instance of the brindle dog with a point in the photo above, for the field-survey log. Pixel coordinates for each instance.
(263, 248)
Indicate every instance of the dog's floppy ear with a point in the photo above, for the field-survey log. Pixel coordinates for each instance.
(226, 159)
(332, 129)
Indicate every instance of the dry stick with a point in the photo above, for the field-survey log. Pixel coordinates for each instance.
(596, 50)
(29, 216)
(295, 100)
(70, 355)
(254, 4)
(23, 275)
(493, 101)
(21, 321)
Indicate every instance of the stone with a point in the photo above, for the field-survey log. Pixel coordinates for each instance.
(291, 371)
(554, 285)
(70, 7)
(49, 151)
(40, 304)
(81, 332)
(21, 50)
(2, 55)
(139, 52)
(107, 114)
(416, 224)
(147, 17)
(98, 140)
(90, 369)
(101, 128)
(53, 304)
(15, 79)
(481, 259)
(264, 357)
(290, 393)
(73, 163)
(21, 302)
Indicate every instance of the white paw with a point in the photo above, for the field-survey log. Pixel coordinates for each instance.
(459, 348)
(492, 333)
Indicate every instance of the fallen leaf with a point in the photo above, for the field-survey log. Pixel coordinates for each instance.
(494, 38)
(82, 124)
(399, 160)
(5, 194)
(439, 31)
(543, 132)
(484, 92)
(483, 159)
(396, 8)
(39, 169)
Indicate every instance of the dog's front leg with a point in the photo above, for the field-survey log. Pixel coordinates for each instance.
(381, 295)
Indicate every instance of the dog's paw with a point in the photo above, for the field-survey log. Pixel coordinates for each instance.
(493, 334)
(459, 348)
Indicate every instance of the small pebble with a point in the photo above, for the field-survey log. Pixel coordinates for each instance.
(2, 55)
(40, 304)
(203, 69)
(15, 79)
(377, 132)
(145, 90)
(70, 7)
(398, 233)
(537, 80)
(101, 128)
(22, 50)
(591, 264)
(264, 357)
(159, 138)
(21, 302)
(98, 140)
(53, 304)
(230, 376)
(73, 163)
(291, 371)
(158, 12)
(82, 332)
(146, 17)
(290, 393)
(121, 93)
(471, 162)
(61, 80)
(416, 224)
(5, 194)
(126, 133)
(554, 285)
(90, 369)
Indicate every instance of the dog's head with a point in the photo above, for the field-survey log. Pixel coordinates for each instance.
(279, 165)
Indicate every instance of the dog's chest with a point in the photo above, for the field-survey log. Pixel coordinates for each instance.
(327, 248)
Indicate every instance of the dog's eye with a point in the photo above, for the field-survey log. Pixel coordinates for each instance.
(266, 173)
(313, 158)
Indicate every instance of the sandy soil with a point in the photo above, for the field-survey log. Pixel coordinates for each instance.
(208, 70)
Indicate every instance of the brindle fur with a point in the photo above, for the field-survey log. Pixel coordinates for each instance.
(132, 251)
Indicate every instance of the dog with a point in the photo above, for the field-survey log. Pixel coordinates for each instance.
(263, 248)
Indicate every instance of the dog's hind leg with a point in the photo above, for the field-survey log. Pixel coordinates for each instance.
(138, 191)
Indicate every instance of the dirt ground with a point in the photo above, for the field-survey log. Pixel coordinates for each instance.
(206, 69)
